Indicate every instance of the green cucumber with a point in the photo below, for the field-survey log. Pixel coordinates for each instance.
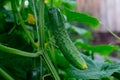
(63, 40)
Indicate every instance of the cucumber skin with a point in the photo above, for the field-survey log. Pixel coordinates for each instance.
(63, 40)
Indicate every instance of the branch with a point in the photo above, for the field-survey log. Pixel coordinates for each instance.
(18, 52)
(5, 75)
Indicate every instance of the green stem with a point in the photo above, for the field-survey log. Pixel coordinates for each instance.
(41, 39)
(36, 18)
(17, 52)
(36, 23)
(41, 30)
(41, 67)
(22, 5)
(13, 28)
(41, 35)
(14, 13)
(5, 75)
(51, 3)
(26, 31)
(51, 67)
(51, 48)
(13, 3)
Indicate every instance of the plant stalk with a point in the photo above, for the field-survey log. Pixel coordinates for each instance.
(5, 75)
(51, 4)
(50, 66)
(40, 31)
(41, 35)
(17, 52)
(13, 3)
(110, 31)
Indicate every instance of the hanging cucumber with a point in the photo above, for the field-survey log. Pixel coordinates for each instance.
(63, 41)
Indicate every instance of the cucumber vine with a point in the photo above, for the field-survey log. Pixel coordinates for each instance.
(41, 39)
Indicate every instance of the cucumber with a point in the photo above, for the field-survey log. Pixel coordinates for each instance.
(63, 40)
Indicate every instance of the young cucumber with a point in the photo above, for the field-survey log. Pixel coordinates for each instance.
(63, 41)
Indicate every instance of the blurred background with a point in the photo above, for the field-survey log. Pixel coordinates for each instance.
(96, 42)
(107, 11)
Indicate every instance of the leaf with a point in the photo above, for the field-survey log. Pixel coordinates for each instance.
(104, 49)
(68, 4)
(96, 70)
(80, 17)
(60, 59)
(101, 49)
(78, 30)
(116, 74)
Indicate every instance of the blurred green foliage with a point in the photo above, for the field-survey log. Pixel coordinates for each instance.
(12, 35)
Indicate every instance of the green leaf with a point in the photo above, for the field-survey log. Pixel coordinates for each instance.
(117, 74)
(104, 49)
(78, 30)
(96, 70)
(80, 17)
(101, 49)
(68, 4)
(61, 60)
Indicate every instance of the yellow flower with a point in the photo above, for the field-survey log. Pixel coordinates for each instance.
(37, 44)
(46, 1)
(30, 19)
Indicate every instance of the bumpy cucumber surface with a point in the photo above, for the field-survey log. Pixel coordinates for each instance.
(63, 40)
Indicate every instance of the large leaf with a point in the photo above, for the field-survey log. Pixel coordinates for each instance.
(73, 16)
(96, 70)
(101, 49)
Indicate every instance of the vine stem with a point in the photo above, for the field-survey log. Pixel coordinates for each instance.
(18, 52)
(116, 36)
(51, 3)
(14, 13)
(5, 75)
(14, 7)
(42, 42)
(41, 34)
(41, 25)
(40, 31)
(51, 67)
